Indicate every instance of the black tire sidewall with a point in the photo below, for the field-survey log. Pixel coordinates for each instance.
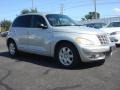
(16, 51)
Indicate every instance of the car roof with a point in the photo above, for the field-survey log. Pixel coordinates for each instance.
(42, 14)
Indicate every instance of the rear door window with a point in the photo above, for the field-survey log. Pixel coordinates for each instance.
(37, 20)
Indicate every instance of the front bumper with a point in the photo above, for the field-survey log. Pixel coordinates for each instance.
(94, 53)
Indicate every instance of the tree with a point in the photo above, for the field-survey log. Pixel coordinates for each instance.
(34, 10)
(5, 24)
(82, 19)
(26, 11)
(91, 15)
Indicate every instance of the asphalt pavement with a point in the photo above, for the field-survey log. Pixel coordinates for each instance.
(35, 72)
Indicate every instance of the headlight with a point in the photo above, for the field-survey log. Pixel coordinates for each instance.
(114, 33)
(83, 41)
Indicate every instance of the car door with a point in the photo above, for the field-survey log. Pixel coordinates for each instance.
(21, 27)
(40, 38)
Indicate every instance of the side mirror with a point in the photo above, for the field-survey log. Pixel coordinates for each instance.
(43, 26)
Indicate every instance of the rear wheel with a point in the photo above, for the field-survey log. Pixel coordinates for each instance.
(12, 48)
(67, 55)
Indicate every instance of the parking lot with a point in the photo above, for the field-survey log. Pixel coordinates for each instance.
(33, 72)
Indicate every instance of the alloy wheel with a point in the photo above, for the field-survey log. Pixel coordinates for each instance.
(66, 56)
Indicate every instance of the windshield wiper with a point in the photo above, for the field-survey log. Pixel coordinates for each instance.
(62, 25)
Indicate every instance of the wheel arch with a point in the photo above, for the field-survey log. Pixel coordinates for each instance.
(9, 40)
(63, 42)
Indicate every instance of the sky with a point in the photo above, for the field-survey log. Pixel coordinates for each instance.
(75, 9)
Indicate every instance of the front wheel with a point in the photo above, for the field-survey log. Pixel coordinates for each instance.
(67, 55)
(12, 48)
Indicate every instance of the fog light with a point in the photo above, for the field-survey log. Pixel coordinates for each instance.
(92, 56)
(96, 56)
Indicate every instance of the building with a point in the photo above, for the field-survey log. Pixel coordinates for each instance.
(103, 20)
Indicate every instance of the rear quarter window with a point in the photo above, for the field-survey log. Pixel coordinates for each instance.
(22, 21)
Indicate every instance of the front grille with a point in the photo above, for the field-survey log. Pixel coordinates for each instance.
(103, 39)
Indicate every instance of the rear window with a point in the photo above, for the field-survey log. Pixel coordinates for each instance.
(23, 21)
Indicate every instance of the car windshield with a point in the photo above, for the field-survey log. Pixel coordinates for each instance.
(114, 24)
(60, 20)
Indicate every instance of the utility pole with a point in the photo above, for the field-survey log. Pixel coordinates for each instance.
(32, 4)
(95, 9)
(61, 8)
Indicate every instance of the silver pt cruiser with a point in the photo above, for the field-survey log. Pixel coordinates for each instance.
(57, 36)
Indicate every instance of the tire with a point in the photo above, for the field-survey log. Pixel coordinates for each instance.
(68, 56)
(12, 48)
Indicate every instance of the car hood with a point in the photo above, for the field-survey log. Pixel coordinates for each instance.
(110, 30)
(77, 29)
